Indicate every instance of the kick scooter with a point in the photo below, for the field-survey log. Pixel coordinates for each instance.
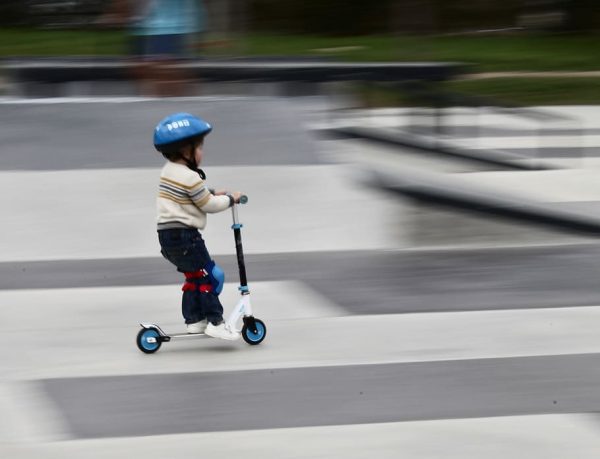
(151, 336)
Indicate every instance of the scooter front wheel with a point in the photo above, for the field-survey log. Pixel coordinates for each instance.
(255, 335)
(148, 340)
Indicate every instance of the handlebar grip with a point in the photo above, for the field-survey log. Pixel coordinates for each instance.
(243, 199)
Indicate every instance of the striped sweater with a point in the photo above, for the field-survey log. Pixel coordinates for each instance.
(183, 198)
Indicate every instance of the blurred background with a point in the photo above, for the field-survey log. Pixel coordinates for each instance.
(511, 36)
(421, 234)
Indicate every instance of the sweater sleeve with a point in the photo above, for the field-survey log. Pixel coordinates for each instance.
(206, 201)
(216, 204)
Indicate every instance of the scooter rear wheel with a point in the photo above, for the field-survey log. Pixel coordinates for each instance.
(148, 341)
(257, 336)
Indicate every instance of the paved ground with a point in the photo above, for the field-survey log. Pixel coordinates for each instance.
(376, 347)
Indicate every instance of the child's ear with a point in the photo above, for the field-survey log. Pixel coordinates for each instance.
(186, 152)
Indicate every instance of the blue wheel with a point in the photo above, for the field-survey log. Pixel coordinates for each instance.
(253, 335)
(148, 340)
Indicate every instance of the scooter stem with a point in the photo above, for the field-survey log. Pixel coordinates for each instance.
(237, 233)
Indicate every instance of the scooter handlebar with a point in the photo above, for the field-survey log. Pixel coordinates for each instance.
(243, 199)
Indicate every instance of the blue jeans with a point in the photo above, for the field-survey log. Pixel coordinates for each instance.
(185, 248)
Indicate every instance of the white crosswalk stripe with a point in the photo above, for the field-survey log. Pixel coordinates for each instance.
(305, 330)
(111, 213)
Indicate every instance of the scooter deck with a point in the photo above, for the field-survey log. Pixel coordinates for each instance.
(166, 337)
(187, 335)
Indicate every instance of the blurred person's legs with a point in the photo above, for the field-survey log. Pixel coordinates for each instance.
(156, 68)
(161, 33)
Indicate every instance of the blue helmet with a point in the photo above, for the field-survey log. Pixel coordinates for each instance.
(177, 128)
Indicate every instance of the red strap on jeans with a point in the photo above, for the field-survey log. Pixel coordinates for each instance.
(190, 286)
(196, 274)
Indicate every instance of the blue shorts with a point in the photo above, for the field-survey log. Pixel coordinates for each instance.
(160, 46)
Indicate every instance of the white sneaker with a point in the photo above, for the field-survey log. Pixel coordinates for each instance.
(221, 331)
(197, 327)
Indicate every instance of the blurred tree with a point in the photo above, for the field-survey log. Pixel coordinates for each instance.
(13, 13)
(351, 17)
(355, 17)
(472, 15)
(412, 16)
(329, 17)
(582, 15)
(61, 14)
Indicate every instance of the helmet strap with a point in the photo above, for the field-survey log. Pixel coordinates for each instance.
(193, 165)
(190, 159)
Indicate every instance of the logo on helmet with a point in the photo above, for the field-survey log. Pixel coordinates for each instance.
(178, 124)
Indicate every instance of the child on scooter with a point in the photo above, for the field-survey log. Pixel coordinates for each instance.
(182, 205)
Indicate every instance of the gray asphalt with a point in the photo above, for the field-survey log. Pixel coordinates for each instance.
(369, 282)
(120, 406)
(260, 131)
(119, 135)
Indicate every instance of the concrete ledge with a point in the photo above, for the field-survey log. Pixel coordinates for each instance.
(64, 70)
(436, 145)
(448, 191)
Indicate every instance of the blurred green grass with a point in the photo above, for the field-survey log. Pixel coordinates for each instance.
(510, 53)
(19, 42)
(533, 91)
(487, 53)
(518, 91)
